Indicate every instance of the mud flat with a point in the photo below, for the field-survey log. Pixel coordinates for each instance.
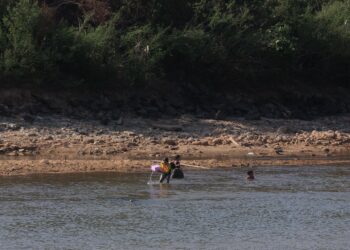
(57, 144)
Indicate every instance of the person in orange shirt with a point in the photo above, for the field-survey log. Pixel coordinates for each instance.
(166, 170)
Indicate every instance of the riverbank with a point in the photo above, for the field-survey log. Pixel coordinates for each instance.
(58, 144)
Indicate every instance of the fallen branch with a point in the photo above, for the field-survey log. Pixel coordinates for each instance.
(234, 142)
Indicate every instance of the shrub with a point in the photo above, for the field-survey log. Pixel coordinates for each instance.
(221, 43)
(22, 55)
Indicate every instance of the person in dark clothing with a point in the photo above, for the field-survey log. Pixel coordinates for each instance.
(166, 171)
(177, 171)
(250, 175)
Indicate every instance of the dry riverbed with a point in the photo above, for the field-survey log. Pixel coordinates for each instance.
(57, 144)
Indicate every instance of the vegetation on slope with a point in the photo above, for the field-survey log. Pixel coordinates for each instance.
(210, 44)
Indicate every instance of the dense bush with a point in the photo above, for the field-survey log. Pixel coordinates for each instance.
(20, 55)
(205, 43)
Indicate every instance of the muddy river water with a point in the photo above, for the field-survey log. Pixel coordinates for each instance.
(284, 208)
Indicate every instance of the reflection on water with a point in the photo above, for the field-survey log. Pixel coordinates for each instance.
(285, 208)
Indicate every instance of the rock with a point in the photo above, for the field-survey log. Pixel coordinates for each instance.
(155, 142)
(96, 151)
(82, 152)
(323, 135)
(32, 134)
(45, 162)
(336, 143)
(9, 126)
(131, 144)
(28, 148)
(263, 139)
(5, 149)
(156, 154)
(13, 126)
(111, 151)
(100, 132)
(196, 143)
(89, 141)
(278, 150)
(278, 138)
(129, 133)
(217, 141)
(329, 135)
(99, 142)
(285, 138)
(190, 139)
(48, 138)
(13, 153)
(82, 131)
(249, 136)
(203, 142)
(170, 142)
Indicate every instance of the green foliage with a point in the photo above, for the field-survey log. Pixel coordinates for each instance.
(334, 26)
(176, 13)
(210, 43)
(21, 56)
(88, 54)
(333, 33)
(141, 52)
(3, 40)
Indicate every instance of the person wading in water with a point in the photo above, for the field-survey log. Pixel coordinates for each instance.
(175, 165)
(166, 171)
(250, 175)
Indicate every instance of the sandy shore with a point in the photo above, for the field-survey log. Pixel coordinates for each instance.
(57, 144)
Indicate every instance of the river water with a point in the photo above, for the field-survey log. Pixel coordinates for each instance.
(284, 208)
